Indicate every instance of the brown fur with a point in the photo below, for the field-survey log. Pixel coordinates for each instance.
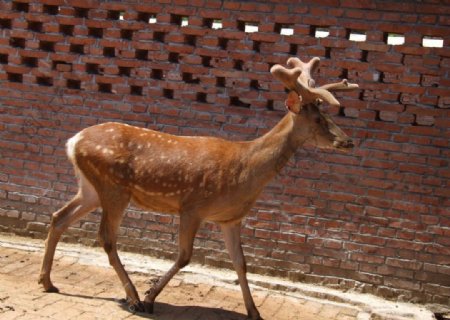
(197, 178)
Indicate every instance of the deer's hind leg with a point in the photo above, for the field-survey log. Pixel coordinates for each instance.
(84, 202)
(114, 201)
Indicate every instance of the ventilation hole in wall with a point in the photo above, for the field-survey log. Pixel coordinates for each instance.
(17, 42)
(105, 87)
(92, 68)
(126, 34)
(249, 27)
(109, 51)
(223, 43)
(31, 62)
(207, 22)
(327, 52)
(73, 84)
(381, 77)
(364, 55)
(189, 78)
(293, 49)
(176, 19)
(141, 54)
(238, 64)
(254, 84)
(115, 15)
(15, 77)
(174, 57)
(81, 12)
(377, 115)
(284, 29)
(168, 93)
(319, 32)
(147, 17)
(47, 46)
(235, 101)
(184, 21)
(356, 35)
(190, 39)
(159, 36)
(344, 74)
(432, 42)
(213, 23)
(95, 32)
(269, 105)
(201, 97)
(136, 90)
(44, 81)
(20, 6)
(50, 9)
(206, 61)
(220, 82)
(66, 29)
(3, 58)
(256, 46)
(76, 48)
(125, 71)
(394, 39)
(35, 26)
(157, 74)
(341, 112)
(5, 23)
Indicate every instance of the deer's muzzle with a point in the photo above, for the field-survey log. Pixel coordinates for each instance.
(343, 143)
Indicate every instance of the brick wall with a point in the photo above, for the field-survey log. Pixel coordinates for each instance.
(376, 219)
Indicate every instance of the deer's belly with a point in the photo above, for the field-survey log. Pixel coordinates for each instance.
(156, 201)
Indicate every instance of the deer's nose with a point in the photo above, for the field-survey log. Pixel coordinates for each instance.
(346, 143)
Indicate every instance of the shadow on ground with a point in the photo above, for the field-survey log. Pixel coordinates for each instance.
(165, 311)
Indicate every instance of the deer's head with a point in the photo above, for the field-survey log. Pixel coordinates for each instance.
(304, 101)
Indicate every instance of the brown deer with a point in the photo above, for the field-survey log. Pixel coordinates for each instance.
(197, 178)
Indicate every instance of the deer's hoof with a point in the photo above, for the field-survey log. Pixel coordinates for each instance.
(52, 289)
(48, 285)
(136, 307)
(148, 306)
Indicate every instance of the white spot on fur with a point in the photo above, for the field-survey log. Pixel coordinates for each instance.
(107, 151)
(110, 130)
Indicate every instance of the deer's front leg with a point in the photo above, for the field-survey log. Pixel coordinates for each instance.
(187, 230)
(232, 236)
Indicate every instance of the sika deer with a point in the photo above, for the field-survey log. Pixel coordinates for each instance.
(198, 178)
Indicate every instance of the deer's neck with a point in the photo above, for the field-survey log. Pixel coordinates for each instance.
(275, 148)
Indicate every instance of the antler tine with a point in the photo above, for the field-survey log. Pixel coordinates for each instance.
(343, 85)
(299, 79)
(287, 76)
(304, 84)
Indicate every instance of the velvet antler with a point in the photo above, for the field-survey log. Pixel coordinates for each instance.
(299, 79)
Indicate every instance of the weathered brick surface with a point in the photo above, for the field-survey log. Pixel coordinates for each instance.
(378, 215)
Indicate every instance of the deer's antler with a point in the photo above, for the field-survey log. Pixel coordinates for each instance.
(299, 79)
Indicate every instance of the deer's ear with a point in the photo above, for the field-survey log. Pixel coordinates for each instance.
(294, 102)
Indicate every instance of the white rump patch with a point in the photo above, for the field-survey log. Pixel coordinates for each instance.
(71, 144)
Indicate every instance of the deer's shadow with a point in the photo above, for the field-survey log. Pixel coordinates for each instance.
(166, 311)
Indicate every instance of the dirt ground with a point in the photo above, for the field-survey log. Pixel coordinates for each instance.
(90, 289)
